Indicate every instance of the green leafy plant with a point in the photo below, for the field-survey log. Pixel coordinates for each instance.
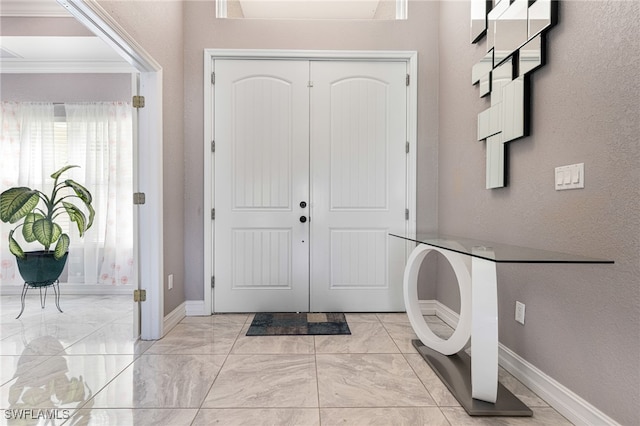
(38, 213)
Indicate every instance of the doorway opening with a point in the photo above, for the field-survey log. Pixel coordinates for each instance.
(304, 205)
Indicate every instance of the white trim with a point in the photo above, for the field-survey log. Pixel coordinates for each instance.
(562, 399)
(68, 288)
(150, 171)
(32, 9)
(63, 67)
(402, 9)
(174, 317)
(319, 55)
(196, 308)
(97, 20)
(410, 57)
(559, 397)
(208, 181)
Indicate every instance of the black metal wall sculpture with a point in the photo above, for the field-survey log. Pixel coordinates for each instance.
(515, 37)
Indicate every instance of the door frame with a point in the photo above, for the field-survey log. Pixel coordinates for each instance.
(149, 163)
(210, 55)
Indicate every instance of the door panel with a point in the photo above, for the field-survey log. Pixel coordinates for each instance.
(353, 183)
(261, 175)
(358, 184)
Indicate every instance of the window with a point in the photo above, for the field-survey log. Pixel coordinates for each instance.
(312, 9)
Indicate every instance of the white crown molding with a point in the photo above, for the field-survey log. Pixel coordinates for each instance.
(63, 67)
(32, 9)
(559, 397)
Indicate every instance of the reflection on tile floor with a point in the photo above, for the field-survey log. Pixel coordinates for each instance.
(84, 367)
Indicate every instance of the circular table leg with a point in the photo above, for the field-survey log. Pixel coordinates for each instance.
(461, 335)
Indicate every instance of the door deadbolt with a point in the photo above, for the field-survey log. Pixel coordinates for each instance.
(303, 204)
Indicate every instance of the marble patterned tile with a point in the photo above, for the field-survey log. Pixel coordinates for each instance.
(369, 380)
(402, 334)
(272, 344)
(352, 318)
(441, 395)
(162, 381)
(397, 416)
(10, 364)
(110, 339)
(133, 417)
(394, 317)
(541, 417)
(257, 417)
(523, 393)
(265, 381)
(65, 382)
(46, 338)
(364, 338)
(218, 319)
(10, 326)
(197, 339)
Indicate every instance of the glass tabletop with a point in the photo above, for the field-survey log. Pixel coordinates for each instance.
(500, 253)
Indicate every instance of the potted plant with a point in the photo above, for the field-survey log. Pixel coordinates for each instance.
(36, 212)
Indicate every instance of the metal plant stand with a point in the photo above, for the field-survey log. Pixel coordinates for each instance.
(40, 285)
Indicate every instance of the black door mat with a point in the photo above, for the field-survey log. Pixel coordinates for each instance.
(297, 324)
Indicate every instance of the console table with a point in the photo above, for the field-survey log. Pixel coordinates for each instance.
(472, 380)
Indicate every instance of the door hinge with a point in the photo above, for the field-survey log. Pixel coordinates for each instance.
(406, 214)
(138, 198)
(309, 83)
(213, 214)
(213, 146)
(213, 78)
(407, 148)
(138, 101)
(213, 282)
(139, 295)
(408, 79)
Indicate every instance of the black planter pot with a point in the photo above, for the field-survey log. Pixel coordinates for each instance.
(40, 268)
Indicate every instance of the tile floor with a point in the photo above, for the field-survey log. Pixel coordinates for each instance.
(83, 367)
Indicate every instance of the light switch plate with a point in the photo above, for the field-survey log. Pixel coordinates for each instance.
(569, 177)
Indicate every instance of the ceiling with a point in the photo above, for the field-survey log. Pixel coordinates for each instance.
(38, 54)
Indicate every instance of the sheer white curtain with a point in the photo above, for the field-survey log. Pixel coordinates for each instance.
(26, 141)
(98, 139)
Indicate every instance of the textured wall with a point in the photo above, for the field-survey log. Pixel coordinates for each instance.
(65, 87)
(582, 321)
(203, 31)
(157, 26)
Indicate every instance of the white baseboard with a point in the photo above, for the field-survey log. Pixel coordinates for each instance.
(195, 308)
(174, 318)
(558, 396)
(70, 288)
(561, 398)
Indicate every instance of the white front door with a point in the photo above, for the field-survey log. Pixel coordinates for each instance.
(359, 192)
(261, 247)
(269, 115)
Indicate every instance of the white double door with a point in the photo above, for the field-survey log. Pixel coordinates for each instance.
(310, 177)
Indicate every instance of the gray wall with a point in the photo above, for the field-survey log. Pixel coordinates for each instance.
(582, 322)
(419, 33)
(65, 87)
(158, 27)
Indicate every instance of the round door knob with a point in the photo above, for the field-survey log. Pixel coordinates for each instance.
(303, 219)
(303, 204)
